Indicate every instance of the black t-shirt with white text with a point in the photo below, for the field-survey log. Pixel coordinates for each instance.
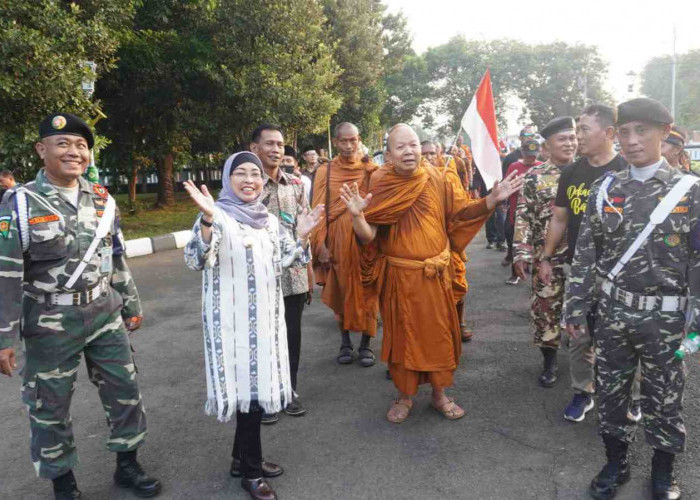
(574, 187)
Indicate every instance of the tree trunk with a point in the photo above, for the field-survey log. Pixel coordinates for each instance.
(166, 195)
(133, 181)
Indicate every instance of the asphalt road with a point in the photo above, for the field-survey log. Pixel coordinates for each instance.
(513, 443)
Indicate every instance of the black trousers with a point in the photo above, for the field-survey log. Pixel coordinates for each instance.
(495, 232)
(246, 444)
(293, 308)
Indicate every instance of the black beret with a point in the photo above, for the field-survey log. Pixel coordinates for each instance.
(290, 151)
(557, 125)
(676, 137)
(66, 124)
(643, 109)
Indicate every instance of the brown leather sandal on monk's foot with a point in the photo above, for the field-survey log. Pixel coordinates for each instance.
(450, 410)
(399, 411)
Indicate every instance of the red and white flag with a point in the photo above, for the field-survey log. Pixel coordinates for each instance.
(480, 123)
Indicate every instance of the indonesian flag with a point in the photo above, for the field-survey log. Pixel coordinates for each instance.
(480, 123)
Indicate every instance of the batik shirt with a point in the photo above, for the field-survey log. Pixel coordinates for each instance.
(285, 199)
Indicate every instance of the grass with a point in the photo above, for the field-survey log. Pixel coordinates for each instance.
(149, 221)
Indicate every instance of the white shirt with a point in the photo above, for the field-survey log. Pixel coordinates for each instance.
(645, 173)
(72, 194)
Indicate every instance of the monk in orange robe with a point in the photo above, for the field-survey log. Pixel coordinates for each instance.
(410, 210)
(335, 249)
(460, 286)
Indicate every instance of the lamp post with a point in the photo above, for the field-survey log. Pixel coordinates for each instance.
(88, 86)
(631, 81)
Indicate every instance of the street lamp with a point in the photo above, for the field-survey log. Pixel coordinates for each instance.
(89, 80)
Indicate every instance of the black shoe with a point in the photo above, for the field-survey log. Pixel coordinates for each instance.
(663, 484)
(615, 473)
(130, 474)
(549, 372)
(270, 418)
(501, 247)
(259, 489)
(65, 487)
(294, 409)
(268, 469)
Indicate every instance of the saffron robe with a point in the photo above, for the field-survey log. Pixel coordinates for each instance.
(416, 215)
(342, 279)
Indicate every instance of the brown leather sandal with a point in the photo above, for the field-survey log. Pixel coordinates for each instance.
(399, 411)
(450, 410)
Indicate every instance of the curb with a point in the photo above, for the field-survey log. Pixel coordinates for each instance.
(147, 246)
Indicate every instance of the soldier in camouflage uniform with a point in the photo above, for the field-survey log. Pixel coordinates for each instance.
(46, 228)
(532, 216)
(645, 305)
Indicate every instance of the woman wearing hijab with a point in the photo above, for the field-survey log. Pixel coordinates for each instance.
(242, 250)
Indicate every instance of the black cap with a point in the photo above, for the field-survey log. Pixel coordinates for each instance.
(557, 125)
(530, 147)
(645, 110)
(66, 124)
(290, 151)
(676, 137)
(308, 147)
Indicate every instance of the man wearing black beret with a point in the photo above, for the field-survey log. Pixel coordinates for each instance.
(64, 278)
(646, 257)
(532, 215)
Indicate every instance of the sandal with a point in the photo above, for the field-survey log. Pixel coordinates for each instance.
(449, 410)
(366, 357)
(399, 411)
(345, 355)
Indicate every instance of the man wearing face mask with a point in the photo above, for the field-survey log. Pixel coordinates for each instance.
(63, 275)
(310, 157)
(284, 197)
(290, 165)
(532, 215)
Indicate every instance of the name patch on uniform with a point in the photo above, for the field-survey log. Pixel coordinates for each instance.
(100, 191)
(43, 218)
(681, 208)
(618, 205)
(5, 226)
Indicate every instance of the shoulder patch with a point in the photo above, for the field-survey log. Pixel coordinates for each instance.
(5, 226)
(100, 191)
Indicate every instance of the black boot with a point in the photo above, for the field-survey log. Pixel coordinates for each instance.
(663, 484)
(65, 487)
(549, 371)
(615, 473)
(130, 474)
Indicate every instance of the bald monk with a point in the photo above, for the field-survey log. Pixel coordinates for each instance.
(458, 256)
(335, 248)
(410, 211)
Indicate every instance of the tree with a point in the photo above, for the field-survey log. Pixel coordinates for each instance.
(656, 83)
(44, 45)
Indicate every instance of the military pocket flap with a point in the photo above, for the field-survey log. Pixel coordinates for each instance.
(48, 240)
(612, 222)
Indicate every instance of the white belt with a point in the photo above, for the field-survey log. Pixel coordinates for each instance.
(667, 303)
(72, 299)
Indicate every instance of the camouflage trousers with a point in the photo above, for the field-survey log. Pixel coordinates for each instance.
(545, 307)
(623, 339)
(54, 338)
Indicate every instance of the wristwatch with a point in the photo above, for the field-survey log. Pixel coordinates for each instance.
(205, 223)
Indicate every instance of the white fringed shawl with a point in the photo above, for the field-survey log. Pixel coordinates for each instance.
(245, 336)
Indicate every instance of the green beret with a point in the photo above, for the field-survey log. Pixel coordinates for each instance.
(676, 137)
(645, 110)
(557, 125)
(66, 124)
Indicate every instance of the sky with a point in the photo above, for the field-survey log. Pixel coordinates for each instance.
(627, 32)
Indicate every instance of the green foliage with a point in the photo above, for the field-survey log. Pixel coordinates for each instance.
(656, 83)
(43, 47)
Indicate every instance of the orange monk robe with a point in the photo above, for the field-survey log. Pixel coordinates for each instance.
(342, 279)
(411, 273)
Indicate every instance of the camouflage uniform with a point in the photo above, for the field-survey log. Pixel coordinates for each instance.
(55, 335)
(532, 215)
(668, 264)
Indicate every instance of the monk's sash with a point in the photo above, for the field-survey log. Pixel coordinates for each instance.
(433, 267)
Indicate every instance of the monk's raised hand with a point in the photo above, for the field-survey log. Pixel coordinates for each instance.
(308, 220)
(511, 184)
(353, 200)
(203, 199)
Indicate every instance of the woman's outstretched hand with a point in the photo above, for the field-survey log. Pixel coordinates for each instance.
(309, 220)
(203, 199)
